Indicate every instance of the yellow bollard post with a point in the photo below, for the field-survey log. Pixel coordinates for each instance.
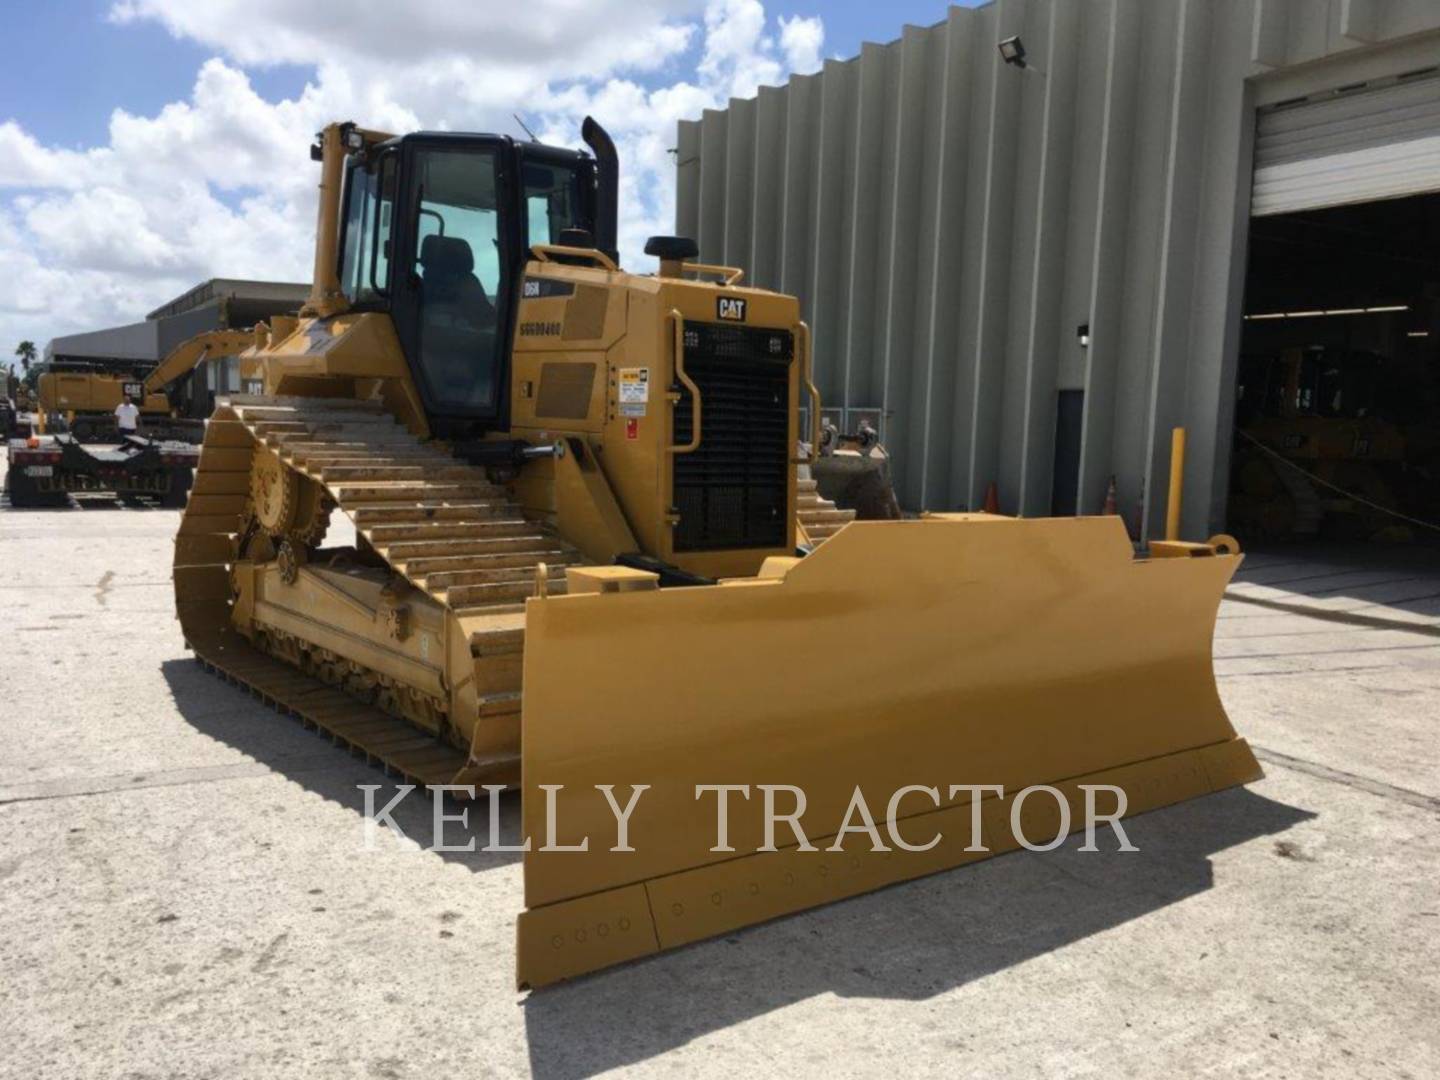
(1177, 484)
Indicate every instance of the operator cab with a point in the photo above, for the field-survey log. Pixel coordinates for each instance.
(436, 228)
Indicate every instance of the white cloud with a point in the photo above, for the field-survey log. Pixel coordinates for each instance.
(222, 184)
(801, 40)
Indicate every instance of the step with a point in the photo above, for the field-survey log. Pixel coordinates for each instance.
(425, 567)
(507, 592)
(388, 492)
(403, 550)
(340, 473)
(474, 529)
(421, 512)
(350, 448)
(325, 460)
(498, 674)
(497, 637)
(828, 517)
(335, 431)
(822, 532)
(302, 442)
(487, 611)
(296, 404)
(497, 642)
(806, 485)
(504, 703)
(451, 579)
(265, 428)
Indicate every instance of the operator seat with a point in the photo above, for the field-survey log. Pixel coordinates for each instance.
(450, 282)
(457, 322)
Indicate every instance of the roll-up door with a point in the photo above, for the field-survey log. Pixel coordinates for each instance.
(1354, 145)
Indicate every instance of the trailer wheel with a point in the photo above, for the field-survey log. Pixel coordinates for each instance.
(25, 493)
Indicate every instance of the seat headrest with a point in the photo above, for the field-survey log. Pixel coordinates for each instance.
(446, 255)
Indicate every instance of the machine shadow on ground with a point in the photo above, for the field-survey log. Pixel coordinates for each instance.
(1358, 583)
(93, 503)
(230, 715)
(910, 941)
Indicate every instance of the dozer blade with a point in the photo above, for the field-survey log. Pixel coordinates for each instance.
(952, 650)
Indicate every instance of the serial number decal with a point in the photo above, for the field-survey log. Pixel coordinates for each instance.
(539, 329)
(731, 308)
(536, 287)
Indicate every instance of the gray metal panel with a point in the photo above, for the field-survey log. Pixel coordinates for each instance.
(176, 329)
(135, 341)
(948, 221)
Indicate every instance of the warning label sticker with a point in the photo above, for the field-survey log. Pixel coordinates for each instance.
(634, 385)
(632, 408)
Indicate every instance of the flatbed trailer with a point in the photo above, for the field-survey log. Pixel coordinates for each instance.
(45, 470)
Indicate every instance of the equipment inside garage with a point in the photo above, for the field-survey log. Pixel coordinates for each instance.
(1337, 422)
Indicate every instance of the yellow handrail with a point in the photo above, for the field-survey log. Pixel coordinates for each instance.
(677, 322)
(731, 274)
(807, 375)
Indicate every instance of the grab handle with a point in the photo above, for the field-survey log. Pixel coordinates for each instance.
(677, 323)
(546, 252)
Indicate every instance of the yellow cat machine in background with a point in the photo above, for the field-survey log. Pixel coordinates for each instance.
(575, 496)
(86, 395)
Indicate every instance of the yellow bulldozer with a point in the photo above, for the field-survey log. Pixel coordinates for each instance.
(575, 496)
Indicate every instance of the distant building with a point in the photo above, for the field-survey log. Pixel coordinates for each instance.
(217, 304)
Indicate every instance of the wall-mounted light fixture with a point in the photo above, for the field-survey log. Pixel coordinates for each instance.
(1417, 333)
(1082, 334)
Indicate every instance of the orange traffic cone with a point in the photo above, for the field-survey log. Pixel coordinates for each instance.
(992, 499)
(1111, 502)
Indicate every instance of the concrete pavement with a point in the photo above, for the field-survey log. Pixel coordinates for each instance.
(186, 893)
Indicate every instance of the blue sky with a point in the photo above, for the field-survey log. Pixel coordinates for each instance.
(74, 65)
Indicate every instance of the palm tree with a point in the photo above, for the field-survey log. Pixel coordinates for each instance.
(26, 351)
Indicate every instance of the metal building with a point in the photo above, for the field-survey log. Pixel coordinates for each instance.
(1034, 272)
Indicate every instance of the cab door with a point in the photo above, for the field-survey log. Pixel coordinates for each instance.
(452, 282)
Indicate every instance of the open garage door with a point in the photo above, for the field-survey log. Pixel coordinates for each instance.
(1351, 146)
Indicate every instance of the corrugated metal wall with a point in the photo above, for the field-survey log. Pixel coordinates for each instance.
(949, 223)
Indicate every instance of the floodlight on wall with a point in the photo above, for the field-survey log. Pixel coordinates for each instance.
(1012, 51)
(1082, 334)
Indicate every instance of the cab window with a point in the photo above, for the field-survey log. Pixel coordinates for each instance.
(365, 245)
(552, 197)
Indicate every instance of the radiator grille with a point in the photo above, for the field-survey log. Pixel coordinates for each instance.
(731, 491)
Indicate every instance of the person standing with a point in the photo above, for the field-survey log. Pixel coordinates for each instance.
(127, 418)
